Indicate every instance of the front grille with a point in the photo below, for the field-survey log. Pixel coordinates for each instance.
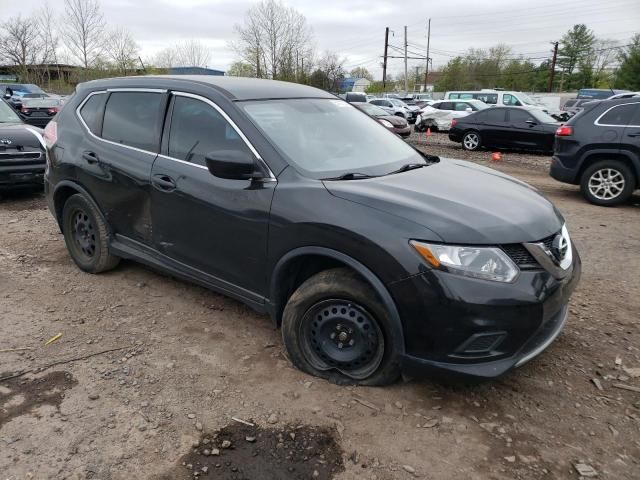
(15, 155)
(521, 256)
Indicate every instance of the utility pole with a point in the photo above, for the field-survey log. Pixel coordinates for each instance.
(426, 70)
(258, 61)
(406, 78)
(552, 73)
(384, 63)
(417, 78)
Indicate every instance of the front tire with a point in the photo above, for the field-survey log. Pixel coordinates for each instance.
(471, 141)
(86, 236)
(607, 183)
(335, 327)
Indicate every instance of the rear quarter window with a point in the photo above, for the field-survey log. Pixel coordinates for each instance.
(91, 110)
(619, 115)
(132, 119)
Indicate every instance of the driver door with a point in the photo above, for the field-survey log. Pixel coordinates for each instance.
(213, 225)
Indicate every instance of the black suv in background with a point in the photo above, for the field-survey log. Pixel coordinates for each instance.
(599, 149)
(374, 258)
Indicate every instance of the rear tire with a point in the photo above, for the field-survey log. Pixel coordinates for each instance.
(471, 141)
(86, 236)
(607, 183)
(335, 327)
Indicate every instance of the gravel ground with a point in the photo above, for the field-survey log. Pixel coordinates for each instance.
(147, 368)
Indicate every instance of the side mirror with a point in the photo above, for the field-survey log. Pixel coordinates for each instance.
(468, 109)
(7, 95)
(231, 164)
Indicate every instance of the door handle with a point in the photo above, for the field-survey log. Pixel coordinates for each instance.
(635, 134)
(90, 157)
(163, 182)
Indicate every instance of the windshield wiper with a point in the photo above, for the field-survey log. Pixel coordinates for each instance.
(351, 176)
(407, 167)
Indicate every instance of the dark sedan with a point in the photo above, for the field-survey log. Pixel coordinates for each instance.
(22, 153)
(38, 111)
(505, 127)
(394, 123)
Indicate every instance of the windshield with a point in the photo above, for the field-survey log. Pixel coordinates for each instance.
(373, 110)
(397, 103)
(26, 88)
(478, 104)
(526, 99)
(542, 117)
(7, 114)
(326, 138)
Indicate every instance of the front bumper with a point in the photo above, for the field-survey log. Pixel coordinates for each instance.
(456, 326)
(403, 132)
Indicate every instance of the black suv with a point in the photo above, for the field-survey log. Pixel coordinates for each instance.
(374, 258)
(599, 149)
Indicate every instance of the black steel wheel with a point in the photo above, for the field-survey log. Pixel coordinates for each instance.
(334, 326)
(342, 335)
(86, 235)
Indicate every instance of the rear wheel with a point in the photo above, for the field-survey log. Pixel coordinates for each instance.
(607, 183)
(471, 141)
(86, 235)
(335, 327)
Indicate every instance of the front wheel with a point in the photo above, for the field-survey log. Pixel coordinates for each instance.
(471, 141)
(607, 183)
(334, 327)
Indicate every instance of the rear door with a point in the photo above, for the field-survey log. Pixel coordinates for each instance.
(214, 225)
(496, 129)
(631, 138)
(118, 153)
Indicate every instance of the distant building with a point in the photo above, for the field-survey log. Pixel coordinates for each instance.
(354, 85)
(194, 71)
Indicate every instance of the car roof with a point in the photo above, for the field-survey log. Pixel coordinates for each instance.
(235, 88)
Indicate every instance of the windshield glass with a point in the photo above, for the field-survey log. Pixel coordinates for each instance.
(542, 117)
(326, 138)
(526, 99)
(7, 114)
(373, 110)
(397, 103)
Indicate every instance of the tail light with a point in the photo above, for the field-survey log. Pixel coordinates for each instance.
(564, 131)
(24, 110)
(453, 122)
(53, 110)
(51, 134)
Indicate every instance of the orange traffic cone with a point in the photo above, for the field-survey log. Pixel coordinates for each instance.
(496, 156)
(428, 132)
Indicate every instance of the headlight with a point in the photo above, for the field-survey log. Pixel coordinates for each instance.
(386, 123)
(488, 263)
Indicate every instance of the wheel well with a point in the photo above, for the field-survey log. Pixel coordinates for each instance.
(596, 157)
(296, 272)
(60, 198)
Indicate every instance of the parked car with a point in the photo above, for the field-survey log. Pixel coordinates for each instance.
(394, 123)
(624, 95)
(432, 116)
(574, 105)
(600, 151)
(374, 258)
(22, 151)
(597, 93)
(38, 111)
(505, 127)
(498, 98)
(395, 106)
(353, 97)
(14, 92)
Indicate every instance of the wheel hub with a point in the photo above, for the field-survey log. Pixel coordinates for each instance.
(342, 335)
(84, 233)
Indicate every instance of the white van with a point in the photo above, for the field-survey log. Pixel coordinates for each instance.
(496, 98)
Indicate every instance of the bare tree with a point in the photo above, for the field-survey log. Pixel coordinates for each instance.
(333, 68)
(84, 30)
(122, 50)
(20, 42)
(192, 54)
(49, 40)
(275, 40)
(166, 58)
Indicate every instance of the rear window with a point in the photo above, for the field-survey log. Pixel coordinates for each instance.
(131, 118)
(570, 103)
(620, 115)
(91, 110)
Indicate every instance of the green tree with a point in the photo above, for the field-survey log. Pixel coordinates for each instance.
(241, 69)
(628, 75)
(361, 72)
(574, 56)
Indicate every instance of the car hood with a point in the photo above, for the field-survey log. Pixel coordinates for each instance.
(460, 202)
(394, 120)
(20, 134)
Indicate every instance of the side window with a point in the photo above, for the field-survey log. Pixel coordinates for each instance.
(454, 96)
(509, 99)
(518, 116)
(620, 115)
(466, 96)
(488, 98)
(446, 106)
(462, 106)
(635, 121)
(91, 110)
(197, 129)
(131, 118)
(495, 115)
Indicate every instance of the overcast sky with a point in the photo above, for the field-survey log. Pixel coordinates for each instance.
(355, 29)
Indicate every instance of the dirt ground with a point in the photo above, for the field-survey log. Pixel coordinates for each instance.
(154, 378)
